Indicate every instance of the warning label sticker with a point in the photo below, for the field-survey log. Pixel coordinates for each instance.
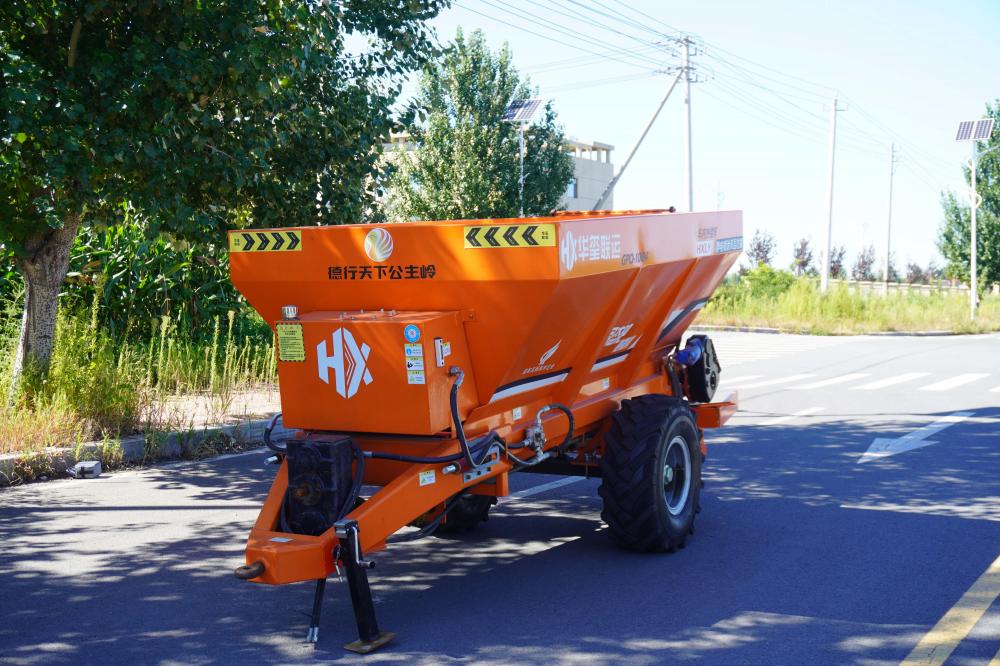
(414, 363)
(427, 478)
(265, 241)
(510, 235)
(291, 346)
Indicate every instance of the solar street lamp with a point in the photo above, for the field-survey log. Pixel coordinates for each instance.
(974, 131)
(521, 111)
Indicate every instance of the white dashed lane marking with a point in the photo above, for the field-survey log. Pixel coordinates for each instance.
(772, 382)
(890, 381)
(738, 348)
(742, 378)
(843, 379)
(790, 417)
(956, 381)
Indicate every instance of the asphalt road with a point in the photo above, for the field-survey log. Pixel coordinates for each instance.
(803, 554)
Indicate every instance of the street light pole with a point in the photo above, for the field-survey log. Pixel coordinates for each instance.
(521, 179)
(888, 226)
(974, 131)
(973, 247)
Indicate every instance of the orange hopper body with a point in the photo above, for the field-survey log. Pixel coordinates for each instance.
(577, 309)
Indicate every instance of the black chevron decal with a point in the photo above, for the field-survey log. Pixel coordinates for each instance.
(490, 233)
(528, 235)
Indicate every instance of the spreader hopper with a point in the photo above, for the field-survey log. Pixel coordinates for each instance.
(432, 359)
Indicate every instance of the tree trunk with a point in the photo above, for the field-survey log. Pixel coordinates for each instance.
(43, 268)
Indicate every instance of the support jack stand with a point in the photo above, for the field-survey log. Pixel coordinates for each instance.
(369, 636)
(313, 635)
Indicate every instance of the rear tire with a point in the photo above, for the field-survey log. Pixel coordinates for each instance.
(467, 513)
(651, 471)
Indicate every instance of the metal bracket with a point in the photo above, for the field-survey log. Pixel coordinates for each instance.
(483, 469)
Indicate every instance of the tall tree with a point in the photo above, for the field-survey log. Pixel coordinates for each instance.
(802, 258)
(199, 115)
(466, 159)
(761, 250)
(954, 238)
(838, 269)
(864, 266)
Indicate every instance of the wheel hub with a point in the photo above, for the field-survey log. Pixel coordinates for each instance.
(676, 475)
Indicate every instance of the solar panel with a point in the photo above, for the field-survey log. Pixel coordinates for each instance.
(964, 130)
(983, 129)
(521, 110)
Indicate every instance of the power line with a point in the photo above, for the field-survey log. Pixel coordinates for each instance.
(579, 85)
(580, 61)
(648, 16)
(540, 21)
(546, 37)
(581, 19)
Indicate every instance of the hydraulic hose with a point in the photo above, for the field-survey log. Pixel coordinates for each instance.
(359, 478)
(480, 445)
(459, 376)
(569, 417)
(267, 436)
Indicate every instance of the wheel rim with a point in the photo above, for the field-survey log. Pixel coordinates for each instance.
(676, 475)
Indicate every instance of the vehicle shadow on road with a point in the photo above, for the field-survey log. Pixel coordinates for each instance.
(801, 555)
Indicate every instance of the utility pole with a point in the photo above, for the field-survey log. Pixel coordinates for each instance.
(621, 169)
(888, 226)
(688, 174)
(824, 283)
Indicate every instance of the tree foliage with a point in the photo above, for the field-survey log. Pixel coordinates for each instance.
(761, 250)
(954, 238)
(802, 258)
(196, 112)
(864, 266)
(200, 115)
(466, 160)
(838, 269)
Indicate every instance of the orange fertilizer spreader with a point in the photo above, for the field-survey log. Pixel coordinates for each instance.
(422, 363)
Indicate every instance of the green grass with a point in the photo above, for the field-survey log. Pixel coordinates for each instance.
(761, 299)
(101, 387)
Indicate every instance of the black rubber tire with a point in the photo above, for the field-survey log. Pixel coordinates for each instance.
(468, 511)
(635, 506)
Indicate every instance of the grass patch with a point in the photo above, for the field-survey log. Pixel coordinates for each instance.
(773, 299)
(102, 388)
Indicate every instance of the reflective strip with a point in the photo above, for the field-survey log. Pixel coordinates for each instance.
(525, 385)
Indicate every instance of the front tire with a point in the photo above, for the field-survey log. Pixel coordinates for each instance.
(651, 474)
(469, 510)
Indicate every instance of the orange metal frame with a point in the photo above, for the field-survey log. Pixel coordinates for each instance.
(605, 296)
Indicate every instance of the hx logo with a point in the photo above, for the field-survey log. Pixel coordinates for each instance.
(567, 251)
(348, 363)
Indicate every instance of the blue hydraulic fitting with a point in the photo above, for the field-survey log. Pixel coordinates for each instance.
(691, 352)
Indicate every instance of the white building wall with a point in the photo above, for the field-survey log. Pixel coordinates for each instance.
(594, 170)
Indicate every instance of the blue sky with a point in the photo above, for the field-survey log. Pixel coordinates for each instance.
(761, 117)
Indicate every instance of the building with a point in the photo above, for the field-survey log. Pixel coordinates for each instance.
(594, 170)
